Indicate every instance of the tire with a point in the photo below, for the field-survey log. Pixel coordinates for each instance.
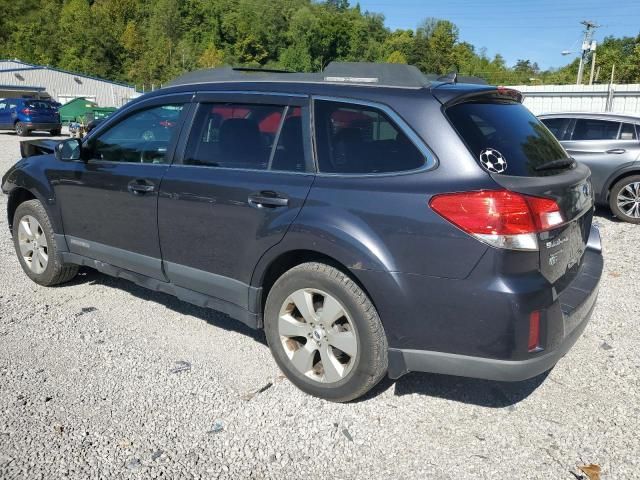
(51, 272)
(624, 199)
(358, 331)
(21, 130)
(55, 133)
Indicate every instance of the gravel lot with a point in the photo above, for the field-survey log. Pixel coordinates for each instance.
(100, 378)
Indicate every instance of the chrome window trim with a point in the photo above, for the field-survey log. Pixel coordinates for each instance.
(263, 170)
(431, 161)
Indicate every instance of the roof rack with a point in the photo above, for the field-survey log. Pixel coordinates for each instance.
(358, 73)
(344, 73)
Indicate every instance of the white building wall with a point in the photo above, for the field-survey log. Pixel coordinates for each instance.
(65, 86)
(581, 98)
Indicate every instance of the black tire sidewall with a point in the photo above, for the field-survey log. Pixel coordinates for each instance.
(28, 208)
(338, 287)
(613, 199)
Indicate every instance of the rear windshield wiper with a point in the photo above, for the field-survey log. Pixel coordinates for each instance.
(561, 163)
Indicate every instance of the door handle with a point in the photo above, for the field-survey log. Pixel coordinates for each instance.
(267, 199)
(140, 187)
(616, 150)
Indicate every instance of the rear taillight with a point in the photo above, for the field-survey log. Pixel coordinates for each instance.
(500, 218)
(27, 111)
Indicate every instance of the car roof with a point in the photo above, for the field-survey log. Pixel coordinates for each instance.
(616, 117)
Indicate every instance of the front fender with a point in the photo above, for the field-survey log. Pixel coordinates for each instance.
(30, 174)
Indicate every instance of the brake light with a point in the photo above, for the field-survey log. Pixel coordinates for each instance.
(534, 331)
(500, 218)
(27, 111)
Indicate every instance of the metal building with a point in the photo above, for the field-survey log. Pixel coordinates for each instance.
(20, 79)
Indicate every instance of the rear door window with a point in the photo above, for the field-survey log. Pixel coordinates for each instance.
(592, 129)
(360, 139)
(506, 138)
(38, 105)
(247, 136)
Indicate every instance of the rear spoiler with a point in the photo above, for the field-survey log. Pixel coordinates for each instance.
(450, 95)
(32, 148)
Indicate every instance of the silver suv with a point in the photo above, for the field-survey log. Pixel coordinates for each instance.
(609, 145)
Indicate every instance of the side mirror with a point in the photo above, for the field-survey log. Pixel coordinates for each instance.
(68, 150)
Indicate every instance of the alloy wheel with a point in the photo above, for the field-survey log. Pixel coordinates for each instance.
(33, 244)
(629, 200)
(318, 336)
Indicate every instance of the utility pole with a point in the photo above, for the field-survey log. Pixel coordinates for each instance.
(589, 29)
(593, 61)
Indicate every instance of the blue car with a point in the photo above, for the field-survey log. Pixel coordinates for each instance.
(26, 114)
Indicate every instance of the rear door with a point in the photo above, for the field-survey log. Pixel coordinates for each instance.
(604, 146)
(243, 175)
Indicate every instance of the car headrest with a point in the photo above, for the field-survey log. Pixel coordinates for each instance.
(239, 136)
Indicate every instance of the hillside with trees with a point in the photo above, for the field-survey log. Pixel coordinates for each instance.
(147, 42)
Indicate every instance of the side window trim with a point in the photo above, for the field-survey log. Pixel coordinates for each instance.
(430, 159)
(276, 140)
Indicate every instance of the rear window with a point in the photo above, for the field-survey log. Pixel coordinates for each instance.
(38, 105)
(588, 129)
(507, 138)
(628, 132)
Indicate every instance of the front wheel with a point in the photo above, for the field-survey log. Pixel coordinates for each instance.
(324, 333)
(36, 247)
(624, 199)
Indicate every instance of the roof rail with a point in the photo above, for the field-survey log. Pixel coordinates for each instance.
(359, 73)
(344, 73)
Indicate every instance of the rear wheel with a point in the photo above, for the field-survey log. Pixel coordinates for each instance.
(624, 199)
(325, 333)
(36, 246)
(21, 129)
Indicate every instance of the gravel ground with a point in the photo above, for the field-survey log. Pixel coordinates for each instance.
(102, 379)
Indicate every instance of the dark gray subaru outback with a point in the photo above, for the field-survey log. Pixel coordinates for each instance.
(371, 220)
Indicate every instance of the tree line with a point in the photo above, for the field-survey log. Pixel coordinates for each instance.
(148, 42)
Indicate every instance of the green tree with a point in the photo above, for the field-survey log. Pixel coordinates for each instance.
(396, 57)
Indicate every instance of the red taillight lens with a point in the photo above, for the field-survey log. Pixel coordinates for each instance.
(497, 212)
(534, 331)
(27, 111)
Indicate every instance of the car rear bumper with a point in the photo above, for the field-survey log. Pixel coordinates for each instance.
(566, 319)
(42, 126)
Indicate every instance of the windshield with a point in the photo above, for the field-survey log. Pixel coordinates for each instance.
(507, 138)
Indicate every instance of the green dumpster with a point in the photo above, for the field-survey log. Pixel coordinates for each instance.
(76, 110)
(102, 112)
